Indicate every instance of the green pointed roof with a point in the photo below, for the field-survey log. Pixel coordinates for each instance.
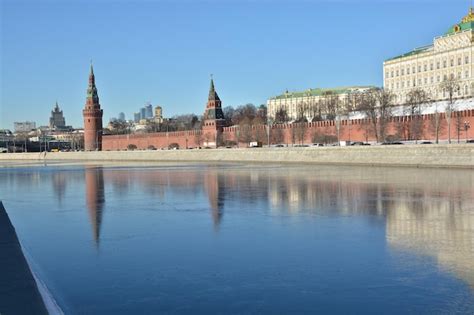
(212, 92)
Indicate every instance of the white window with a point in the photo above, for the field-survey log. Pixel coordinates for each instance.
(437, 79)
(444, 63)
(431, 66)
(408, 70)
(452, 62)
(459, 61)
(466, 90)
(426, 80)
(397, 73)
(425, 68)
(466, 74)
(403, 71)
(432, 80)
(466, 59)
(437, 65)
(414, 69)
(419, 68)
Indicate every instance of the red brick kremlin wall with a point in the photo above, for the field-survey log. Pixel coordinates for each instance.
(353, 130)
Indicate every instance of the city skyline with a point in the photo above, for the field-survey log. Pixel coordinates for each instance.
(231, 40)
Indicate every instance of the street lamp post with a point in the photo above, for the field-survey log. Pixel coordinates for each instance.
(467, 125)
(269, 124)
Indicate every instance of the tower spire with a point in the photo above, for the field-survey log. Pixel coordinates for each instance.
(212, 91)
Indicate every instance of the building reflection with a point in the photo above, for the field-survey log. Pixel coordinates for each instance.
(95, 198)
(421, 214)
(59, 181)
(440, 228)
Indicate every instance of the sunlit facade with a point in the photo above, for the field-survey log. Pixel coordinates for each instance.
(426, 67)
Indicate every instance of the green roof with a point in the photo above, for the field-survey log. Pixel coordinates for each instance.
(415, 51)
(319, 92)
(460, 27)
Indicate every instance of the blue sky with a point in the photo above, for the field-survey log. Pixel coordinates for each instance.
(164, 51)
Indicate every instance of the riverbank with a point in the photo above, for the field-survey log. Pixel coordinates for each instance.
(19, 293)
(444, 156)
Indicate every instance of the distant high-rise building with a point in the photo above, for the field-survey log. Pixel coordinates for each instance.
(158, 114)
(24, 126)
(121, 116)
(136, 117)
(57, 118)
(143, 113)
(148, 111)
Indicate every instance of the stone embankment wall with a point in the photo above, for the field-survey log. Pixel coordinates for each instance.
(455, 155)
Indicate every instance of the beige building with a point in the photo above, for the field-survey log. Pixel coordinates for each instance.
(313, 102)
(426, 67)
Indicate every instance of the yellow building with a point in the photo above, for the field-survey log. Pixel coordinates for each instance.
(426, 67)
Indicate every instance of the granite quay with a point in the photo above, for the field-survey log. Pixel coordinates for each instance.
(445, 156)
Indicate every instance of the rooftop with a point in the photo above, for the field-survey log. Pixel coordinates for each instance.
(415, 51)
(467, 23)
(321, 91)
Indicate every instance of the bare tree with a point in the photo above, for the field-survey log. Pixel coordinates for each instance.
(367, 103)
(198, 137)
(281, 116)
(450, 85)
(385, 103)
(277, 135)
(435, 125)
(376, 104)
(331, 104)
(299, 131)
(416, 99)
(459, 125)
(245, 127)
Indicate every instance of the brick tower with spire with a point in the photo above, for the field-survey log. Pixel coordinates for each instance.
(92, 117)
(214, 121)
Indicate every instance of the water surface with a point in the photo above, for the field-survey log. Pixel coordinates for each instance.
(196, 238)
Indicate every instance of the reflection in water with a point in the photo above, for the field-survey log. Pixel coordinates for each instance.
(420, 212)
(443, 229)
(59, 185)
(95, 198)
(215, 191)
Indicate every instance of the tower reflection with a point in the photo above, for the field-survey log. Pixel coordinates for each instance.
(95, 198)
(215, 189)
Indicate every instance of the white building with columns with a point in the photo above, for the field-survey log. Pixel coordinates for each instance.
(311, 102)
(450, 55)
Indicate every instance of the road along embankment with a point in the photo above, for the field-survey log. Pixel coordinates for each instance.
(446, 156)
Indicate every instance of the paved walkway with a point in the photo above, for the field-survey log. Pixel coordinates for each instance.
(18, 291)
